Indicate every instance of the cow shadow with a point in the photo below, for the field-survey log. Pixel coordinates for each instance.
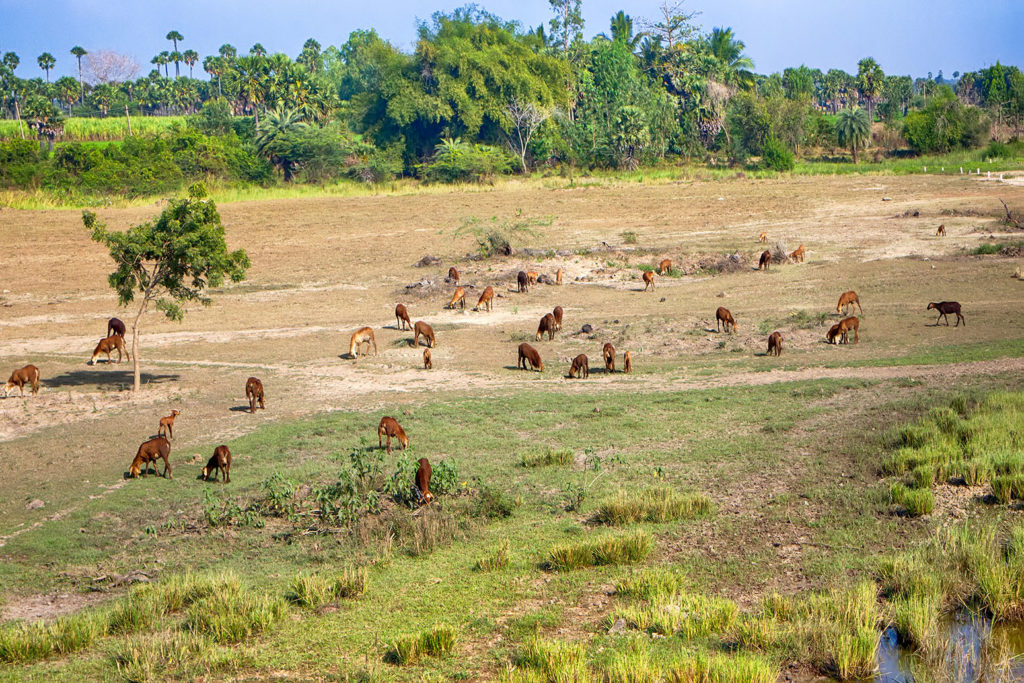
(240, 409)
(107, 378)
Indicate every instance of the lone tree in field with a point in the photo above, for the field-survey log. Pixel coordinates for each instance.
(170, 261)
(853, 128)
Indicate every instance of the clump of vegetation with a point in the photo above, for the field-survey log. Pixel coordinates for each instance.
(493, 503)
(622, 549)
(661, 504)
(547, 457)
(314, 589)
(497, 559)
(653, 583)
(629, 237)
(499, 237)
(917, 502)
(550, 660)
(232, 615)
(153, 657)
(438, 641)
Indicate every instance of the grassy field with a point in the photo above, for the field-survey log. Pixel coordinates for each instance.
(761, 517)
(80, 129)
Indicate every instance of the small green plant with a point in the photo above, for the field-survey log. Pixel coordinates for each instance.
(917, 502)
(629, 237)
(547, 458)
(660, 504)
(498, 558)
(310, 590)
(651, 584)
(493, 503)
(436, 642)
(153, 657)
(230, 616)
(622, 549)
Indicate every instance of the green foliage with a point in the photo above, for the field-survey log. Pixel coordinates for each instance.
(916, 501)
(853, 129)
(945, 124)
(313, 590)
(455, 161)
(496, 236)
(234, 614)
(436, 642)
(547, 457)
(623, 549)
(498, 559)
(662, 504)
(493, 503)
(776, 156)
(444, 477)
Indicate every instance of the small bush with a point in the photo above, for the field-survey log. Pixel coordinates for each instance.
(623, 549)
(553, 660)
(499, 558)
(231, 616)
(776, 156)
(21, 642)
(548, 457)
(152, 657)
(650, 584)
(492, 503)
(436, 642)
(310, 590)
(351, 582)
(986, 249)
(629, 237)
(916, 501)
(662, 504)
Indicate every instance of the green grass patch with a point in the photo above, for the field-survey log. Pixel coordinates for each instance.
(548, 457)
(621, 549)
(438, 641)
(660, 504)
(916, 502)
(235, 614)
(496, 560)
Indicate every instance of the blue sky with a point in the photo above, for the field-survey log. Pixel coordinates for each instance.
(905, 36)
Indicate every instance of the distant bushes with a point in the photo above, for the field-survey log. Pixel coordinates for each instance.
(945, 124)
(455, 161)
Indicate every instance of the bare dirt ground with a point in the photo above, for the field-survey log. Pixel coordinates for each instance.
(322, 268)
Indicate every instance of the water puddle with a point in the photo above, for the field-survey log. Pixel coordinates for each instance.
(972, 649)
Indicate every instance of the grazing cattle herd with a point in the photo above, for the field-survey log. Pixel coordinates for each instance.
(219, 464)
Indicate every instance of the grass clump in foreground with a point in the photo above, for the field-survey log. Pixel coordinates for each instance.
(548, 457)
(312, 590)
(916, 502)
(436, 642)
(231, 616)
(623, 549)
(153, 657)
(499, 558)
(661, 504)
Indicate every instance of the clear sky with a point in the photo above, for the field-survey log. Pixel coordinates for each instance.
(904, 36)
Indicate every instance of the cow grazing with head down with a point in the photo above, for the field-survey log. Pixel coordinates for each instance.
(850, 299)
(453, 275)
(609, 357)
(775, 344)
(558, 277)
(764, 237)
(149, 452)
(798, 255)
(421, 487)
(523, 281)
(364, 335)
(842, 328)
(665, 267)
(254, 392)
(765, 262)
(547, 325)
(486, 300)
(402, 317)
(19, 378)
(532, 276)
(428, 363)
(389, 428)
(459, 297)
(422, 328)
(648, 280)
(723, 318)
(557, 315)
(114, 341)
(941, 232)
(115, 326)
(219, 463)
(945, 308)
(580, 367)
(528, 354)
(627, 362)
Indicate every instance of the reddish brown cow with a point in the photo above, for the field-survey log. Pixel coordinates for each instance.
(486, 299)
(453, 275)
(19, 378)
(390, 428)
(254, 392)
(422, 328)
(665, 267)
(580, 367)
(219, 463)
(428, 363)
(421, 488)
(529, 354)
(724, 318)
(847, 324)
(627, 362)
(547, 324)
(557, 314)
(114, 341)
(775, 344)
(364, 335)
(765, 262)
(167, 424)
(648, 280)
(609, 357)
(850, 299)
(149, 452)
(459, 297)
(945, 308)
(402, 317)
(523, 281)
(115, 326)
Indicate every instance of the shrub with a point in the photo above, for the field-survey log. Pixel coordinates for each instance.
(493, 503)
(444, 477)
(662, 504)
(622, 549)
(230, 616)
(436, 642)
(310, 590)
(776, 156)
(455, 161)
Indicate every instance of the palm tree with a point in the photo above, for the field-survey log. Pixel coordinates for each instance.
(11, 60)
(46, 62)
(258, 50)
(175, 57)
(66, 91)
(174, 36)
(728, 51)
(869, 82)
(622, 30)
(159, 60)
(215, 67)
(80, 52)
(853, 127)
(190, 57)
(278, 123)
(251, 75)
(228, 51)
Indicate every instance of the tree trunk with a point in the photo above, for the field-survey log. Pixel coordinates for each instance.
(137, 381)
(853, 148)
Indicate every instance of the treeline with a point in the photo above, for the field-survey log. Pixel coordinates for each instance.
(481, 96)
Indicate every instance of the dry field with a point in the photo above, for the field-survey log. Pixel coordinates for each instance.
(322, 268)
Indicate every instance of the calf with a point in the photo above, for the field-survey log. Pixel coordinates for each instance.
(941, 232)
(167, 424)
(422, 328)
(529, 354)
(532, 276)
(19, 378)
(580, 367)
(648, 280)
(850, 299)
(428, 364)
(254, 392)
(664, 267)
(219, 463)
(115, 326)
(557, 315)
(453, 275)
(523, 282)
(149, 452)
(114, 341)
(627, 362)
(402, 317)
(389, 428)
(945, 308)
(798, 255)
(364, 335)
(421, 487)
(459, 297)
(558, 277)
(723, 318)
(765, 262)
(547, 324)
(764, 237)
(486, 299)
(833, 333)
(609, 357)
(775, 344)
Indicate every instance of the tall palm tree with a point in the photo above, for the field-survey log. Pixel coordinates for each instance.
(215, 67)
(728, 51)
(174, 36)
(278, 123)
(175, 57)
(250, 74)
(227, 51)
(622, 30)
(11, 60)
(853, 127)
(160, 60)
(870, 79)
(80, 52)
(190, 57)
(46, 62)
(258, 50)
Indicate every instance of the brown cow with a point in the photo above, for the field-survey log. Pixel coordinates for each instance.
(547, 324)
(402, 317)
(19, 378)
(486, 299)
(847, 324)
(724, 318)
(428, 363)
(523, 281)
(167, 424)
(798, 255)
(580, 368)
(609, 357)
(364, 335)
(149, 452)
(765, 262)
(664, 267)
(115, 326)
(459, 297)
(832, 333)
(627, 362)
(422, 328)
(763, 237)
(421, 487)
(648, 280)
(775, 344)
(557, 315)
(941, 232)
(389, 428)
(558, 277)
(453, 275)
(532, 276)
(848, 299)
(254, 392)
(114, 341)
(528, 353)
(946, 307)
(219, 463)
